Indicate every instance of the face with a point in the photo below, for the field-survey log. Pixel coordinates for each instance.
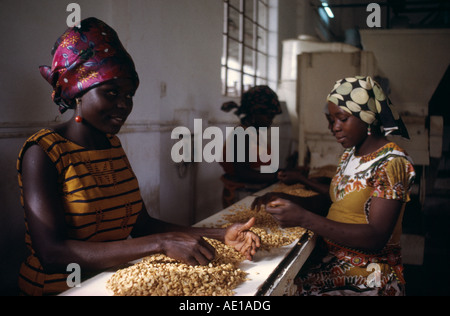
(107, 106)
(349, 130)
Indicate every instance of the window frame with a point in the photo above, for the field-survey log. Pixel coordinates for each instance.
(256, 46)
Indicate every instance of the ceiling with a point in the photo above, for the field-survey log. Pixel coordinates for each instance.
(410, 13)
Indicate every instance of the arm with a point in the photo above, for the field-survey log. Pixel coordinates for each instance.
(46, 223)
(372, 236)
(236, 235)
(318, 204)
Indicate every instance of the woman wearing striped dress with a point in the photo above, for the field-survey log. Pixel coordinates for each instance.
(81, 198)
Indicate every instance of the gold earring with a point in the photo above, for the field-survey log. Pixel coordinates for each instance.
(369, 131)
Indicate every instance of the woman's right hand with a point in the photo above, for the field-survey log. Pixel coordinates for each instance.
(267, 198)
(187, 248)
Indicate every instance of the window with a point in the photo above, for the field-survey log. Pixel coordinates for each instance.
(245, 60)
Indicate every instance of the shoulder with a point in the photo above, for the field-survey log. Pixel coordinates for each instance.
(393, 155)
(40, 147)
(35, 167)
(395, 174)
(399, 168)
(45, 138)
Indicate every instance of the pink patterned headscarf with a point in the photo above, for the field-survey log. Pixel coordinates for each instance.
(84, 57)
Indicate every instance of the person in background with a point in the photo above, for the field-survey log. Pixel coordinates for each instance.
(258, 108)
(319, 183)
(359, 252)
(80, 195)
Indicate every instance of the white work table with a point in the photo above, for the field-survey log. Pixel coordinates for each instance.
(271, 273)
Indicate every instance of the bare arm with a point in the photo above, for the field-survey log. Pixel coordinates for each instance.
(236, 235)
(46, 223)
(45, 217)
(372, 236)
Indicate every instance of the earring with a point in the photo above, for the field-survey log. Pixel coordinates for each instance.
(78, 118)
(369, 131)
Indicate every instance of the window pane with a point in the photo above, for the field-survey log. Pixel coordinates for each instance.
(249, 37)
(234, 24)
(249, 81)
(262, 40)
(262, 65)
(261, 82)
(236, 4)
(249, 65)
(262, 14)
(233, 54)
(249, 9)
(234, 83)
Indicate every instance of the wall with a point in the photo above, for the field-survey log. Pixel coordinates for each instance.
(414, 61)
(176, 45)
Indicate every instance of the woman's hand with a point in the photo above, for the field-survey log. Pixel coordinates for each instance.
(269, 197)
(286, 212)
(242, 239)
(187, 248)
(285, 208)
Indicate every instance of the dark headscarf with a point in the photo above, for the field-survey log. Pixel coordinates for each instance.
(259, 99)
(364, 98)
(84, 57)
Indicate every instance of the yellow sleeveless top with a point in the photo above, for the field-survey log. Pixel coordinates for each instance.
(100, 196)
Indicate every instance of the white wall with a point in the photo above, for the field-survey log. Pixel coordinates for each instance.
(176, 43)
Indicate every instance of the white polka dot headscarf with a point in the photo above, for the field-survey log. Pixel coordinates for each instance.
(364, 98)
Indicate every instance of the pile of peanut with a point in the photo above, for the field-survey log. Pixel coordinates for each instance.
(268, 230)
(159, 275)
(295, 189)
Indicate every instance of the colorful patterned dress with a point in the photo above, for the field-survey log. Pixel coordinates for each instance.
(387, 173)
(100, 196)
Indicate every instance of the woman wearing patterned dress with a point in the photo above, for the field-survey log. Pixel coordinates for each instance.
(360, 237)
(80, 195)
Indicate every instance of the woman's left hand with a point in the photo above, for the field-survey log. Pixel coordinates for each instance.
(242, 239)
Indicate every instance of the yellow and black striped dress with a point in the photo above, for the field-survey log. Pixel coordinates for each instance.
(100, 195)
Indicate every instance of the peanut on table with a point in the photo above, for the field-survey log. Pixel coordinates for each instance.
(162, 276)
